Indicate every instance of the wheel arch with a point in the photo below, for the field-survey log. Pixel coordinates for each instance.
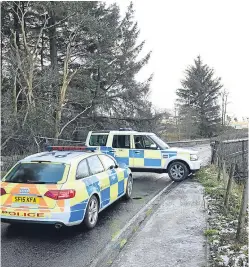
(98, 198)
(178, 160)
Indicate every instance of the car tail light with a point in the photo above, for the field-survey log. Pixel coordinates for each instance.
(60, 194)
(3, 192)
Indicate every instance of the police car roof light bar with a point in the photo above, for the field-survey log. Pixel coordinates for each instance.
(70, 148)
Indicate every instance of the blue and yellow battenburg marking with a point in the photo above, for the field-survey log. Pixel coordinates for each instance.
(143, 158)
(108, 185)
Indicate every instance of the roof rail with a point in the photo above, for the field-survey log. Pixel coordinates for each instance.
(125, 129)
(108, 131)
(102, 131)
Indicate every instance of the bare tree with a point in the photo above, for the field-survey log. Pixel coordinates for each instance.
(224, 96)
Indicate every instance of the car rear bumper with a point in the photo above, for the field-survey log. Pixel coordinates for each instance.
(12, 220)
(67, 218)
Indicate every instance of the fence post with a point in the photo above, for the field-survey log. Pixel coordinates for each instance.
(243, 159)
(219, 168)
(229, 185)
(242, 214)
(214, 147)
(212, 152)
(224, 171)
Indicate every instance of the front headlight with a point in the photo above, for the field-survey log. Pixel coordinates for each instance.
(193, 157)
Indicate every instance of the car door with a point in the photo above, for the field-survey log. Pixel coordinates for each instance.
(101, 178)
(117, 177)
(121, 145)
(145, 153)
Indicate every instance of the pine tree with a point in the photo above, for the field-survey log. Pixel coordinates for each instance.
(200, 95)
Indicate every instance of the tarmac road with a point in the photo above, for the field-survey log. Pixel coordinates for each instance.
(40, 245)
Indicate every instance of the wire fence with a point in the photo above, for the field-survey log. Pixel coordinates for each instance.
(228, 152)
(231, 159)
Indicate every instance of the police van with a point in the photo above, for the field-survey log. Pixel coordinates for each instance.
(144, 151)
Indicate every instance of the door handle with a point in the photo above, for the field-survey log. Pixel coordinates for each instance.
(112, 150)
(137, 152)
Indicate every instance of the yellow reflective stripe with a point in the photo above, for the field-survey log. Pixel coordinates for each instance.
(152, 154)
(120, 175)
(104, 180)
(113, 192)
(123, 153)
(81, 192)
(138, 162)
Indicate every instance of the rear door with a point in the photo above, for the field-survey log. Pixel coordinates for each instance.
(101, 176)
(28, 185)
(145, 153)
(121, 146)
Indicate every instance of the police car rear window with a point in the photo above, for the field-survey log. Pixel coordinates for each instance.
(98, 140)
(37, 173)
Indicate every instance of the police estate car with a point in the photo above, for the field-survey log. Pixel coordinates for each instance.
(65, 186)
(143, 151)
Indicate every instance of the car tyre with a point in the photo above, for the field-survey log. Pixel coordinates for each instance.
(92, 211)
(178, 171)
(129, 187)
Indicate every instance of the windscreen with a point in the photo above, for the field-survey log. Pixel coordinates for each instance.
(38, 173)
(159, 142)
(98, 140)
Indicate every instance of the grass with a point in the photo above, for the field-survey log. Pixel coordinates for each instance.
(222, 222)
(210, 232)
(217, 189)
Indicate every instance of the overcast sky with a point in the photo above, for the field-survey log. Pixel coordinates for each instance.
(177, 31)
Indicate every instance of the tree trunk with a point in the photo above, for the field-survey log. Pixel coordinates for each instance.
(17, 103)
(52, 36)
(53, 49)
(42, 48)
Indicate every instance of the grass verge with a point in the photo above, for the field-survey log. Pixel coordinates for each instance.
(221, 235)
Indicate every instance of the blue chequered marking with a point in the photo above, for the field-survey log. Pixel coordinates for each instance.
(132, 153)
(113, 178)
(77, 215)
(92, 184)
(78, 211)
(120, 188)
(105, 196)
(152, 162)
(122, 160)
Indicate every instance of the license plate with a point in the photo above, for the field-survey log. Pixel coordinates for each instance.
(25, 199)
